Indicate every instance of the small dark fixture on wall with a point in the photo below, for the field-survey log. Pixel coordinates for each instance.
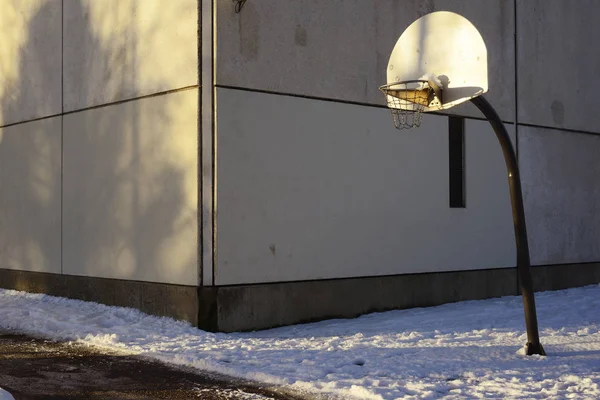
(239, 4)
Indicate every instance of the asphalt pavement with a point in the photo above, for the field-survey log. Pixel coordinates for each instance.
(32, 368)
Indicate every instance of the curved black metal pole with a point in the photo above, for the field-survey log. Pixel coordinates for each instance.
(516, 199)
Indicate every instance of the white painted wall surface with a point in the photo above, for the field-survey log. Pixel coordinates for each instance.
(559, 63)
(561, 188)
(130, 186)
(122, 49)
(30, 59)
(113, 190)
(310, 189)
(30, 196)
(340, 49)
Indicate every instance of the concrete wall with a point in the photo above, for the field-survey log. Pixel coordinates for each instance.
(130, 190)
(560, 164)
(558, 64)
(561, 187)
(107, 185)
(30, 60)
(122, 49)
(30, 204)
(311, 189)
(340, 50)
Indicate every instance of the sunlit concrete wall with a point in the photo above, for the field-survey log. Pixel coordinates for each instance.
(107, 185)
(559, 149)
(30, 151)
(130, 190)
(310, 189)
(30, 60)
(121, 49)
(30, 197)
(340, 49)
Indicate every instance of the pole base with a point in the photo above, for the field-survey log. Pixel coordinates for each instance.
(534, 348)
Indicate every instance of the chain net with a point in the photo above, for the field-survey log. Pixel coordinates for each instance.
(406, 101)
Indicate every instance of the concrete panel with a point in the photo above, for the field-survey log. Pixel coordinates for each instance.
(487, 197)
(30, 165)
(340, 50)
(560, 173)
(558, 67)
(120, 49)
(30, 64)
(310, 189)
(131, 190)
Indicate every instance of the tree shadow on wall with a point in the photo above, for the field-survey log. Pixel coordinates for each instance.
(124, 175)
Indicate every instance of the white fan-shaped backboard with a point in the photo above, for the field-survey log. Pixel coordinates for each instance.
(448, 46)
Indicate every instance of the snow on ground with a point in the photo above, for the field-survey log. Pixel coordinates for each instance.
(455, 351)
(230, 393)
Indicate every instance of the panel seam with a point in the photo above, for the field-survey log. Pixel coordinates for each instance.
(214, 135)
(358, 103)
(114, 103)
(516, 72)
(62, 131)
(199, 205)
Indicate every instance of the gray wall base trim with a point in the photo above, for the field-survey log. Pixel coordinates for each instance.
(260, 306)
(179, 302)
(268, 305)
(564, 276)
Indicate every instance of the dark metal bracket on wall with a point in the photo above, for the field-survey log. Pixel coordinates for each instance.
(239, 4)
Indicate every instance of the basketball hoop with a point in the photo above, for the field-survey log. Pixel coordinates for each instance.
(407, 100)
(445, 79)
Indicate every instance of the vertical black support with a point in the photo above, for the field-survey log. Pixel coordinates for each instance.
(456, 161)
(516, 198)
